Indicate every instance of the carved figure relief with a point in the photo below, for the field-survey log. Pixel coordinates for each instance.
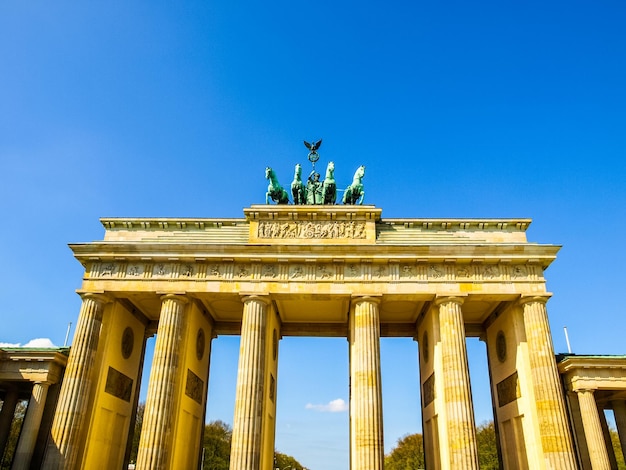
(269, 271)
(107, 269)
(215, 270)
(194, 387)
(354, 270)
(323, 272)
(490, 272)
(508, 390)
(519, 271)
(462, 272)
(118, 384)
(435, 271)
(311, 230)
(408, 271)
(429, 390)
(187, 271)
(243, 271)
(380, 272)
(134, 270)
(297, 272)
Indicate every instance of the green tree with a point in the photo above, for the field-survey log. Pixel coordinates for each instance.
(137, 432)
(409, 451)
(284, 461)
(407, 455)
(14, 434)
(487, 447)
(216, 446)
(617, 447)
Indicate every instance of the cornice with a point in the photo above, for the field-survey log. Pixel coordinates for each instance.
(541, 255)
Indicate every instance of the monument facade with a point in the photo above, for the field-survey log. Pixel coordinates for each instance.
(303, 270)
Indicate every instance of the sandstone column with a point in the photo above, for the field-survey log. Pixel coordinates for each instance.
(366, 413)
(69, 425)
(619, 410)
(6, 417)
(30, 427)
(556, 441)
(156, 433)
(593, 430)
(457, 390)
(248, 422)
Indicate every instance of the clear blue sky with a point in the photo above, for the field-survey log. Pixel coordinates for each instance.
(457, 109)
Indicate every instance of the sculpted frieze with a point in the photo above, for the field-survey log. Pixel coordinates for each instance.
(297, 272)
(491, 271)
(186, 270)
(463, 272)
(324, 272)
(135, 270)
(519, 271)
(270, 270)
(407, 271)
(435, 271)
(302, 229)
(314, 271)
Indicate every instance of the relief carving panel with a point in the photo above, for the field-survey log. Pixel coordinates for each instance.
(283, 270)
(311, 230)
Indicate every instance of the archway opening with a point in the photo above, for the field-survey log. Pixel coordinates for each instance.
(312, 415)
(402, 411)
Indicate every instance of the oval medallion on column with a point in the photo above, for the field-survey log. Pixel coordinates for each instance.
(501, 346)
(275, 344)
(128, 342)
(200, 344)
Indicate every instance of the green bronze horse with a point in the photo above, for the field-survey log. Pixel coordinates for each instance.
(274, 190)
(329, 188)
(298, 190)
(355, 190)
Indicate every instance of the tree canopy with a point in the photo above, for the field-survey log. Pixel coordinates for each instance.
(407, 455)
(216, 446)
(409, 451)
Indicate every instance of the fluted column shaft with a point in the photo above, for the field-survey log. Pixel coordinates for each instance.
(6, 417)
(156, 433)
(619, 410)
(593, 430)
(69, 423)
(366, 414)
(248, 423)
(30, 427)
(457, 389)
(556, 440)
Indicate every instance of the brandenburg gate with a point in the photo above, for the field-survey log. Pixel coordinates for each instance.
(309, 270)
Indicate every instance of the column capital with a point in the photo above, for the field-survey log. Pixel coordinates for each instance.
(585, 390)
(444, 299)
(43, 383)
(265, 298)
(99, 297)
(530, 298)
(373, 298)
(177, 296)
